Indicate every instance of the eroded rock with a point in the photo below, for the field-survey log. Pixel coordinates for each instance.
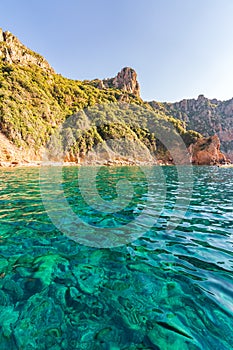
(125, 80)
(13, 51)
(206, 151)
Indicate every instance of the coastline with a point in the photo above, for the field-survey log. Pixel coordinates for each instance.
(37, 164)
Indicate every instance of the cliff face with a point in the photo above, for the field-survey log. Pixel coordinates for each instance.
(13, 51)
(209, 117)
(206, 151)
(10, 155)
(126, 80)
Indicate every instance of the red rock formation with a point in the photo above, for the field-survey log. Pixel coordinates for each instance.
(206, 151)
(207, 116)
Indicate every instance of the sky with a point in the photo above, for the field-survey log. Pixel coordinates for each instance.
(179, 48)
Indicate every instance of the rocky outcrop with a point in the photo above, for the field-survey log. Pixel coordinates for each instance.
(206, 151)
(207, 116)
(10, 155)
(13, 51)
(125, 80)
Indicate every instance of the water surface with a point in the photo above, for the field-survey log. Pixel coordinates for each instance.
(165, 290)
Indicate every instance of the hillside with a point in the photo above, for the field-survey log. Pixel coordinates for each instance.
(35, 102)
(207, 116)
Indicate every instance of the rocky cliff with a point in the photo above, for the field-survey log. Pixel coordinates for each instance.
(207, 116)
(206, 151)
(125, 80)
(13, 51)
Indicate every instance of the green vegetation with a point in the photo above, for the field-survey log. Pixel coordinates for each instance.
(35, 102)
(134, 125)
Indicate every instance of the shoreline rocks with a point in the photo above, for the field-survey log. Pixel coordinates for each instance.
(206, 151)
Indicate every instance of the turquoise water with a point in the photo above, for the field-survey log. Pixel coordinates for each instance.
(168, 289)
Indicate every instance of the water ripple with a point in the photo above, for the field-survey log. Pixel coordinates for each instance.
(166, 290)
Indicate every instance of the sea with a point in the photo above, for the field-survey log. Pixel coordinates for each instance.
(116, 258)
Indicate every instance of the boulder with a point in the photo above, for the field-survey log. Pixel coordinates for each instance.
(206, 151)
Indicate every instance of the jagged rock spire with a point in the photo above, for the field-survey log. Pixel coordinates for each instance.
(125, 80)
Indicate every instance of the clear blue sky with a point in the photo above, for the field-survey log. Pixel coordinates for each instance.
(179, 48)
